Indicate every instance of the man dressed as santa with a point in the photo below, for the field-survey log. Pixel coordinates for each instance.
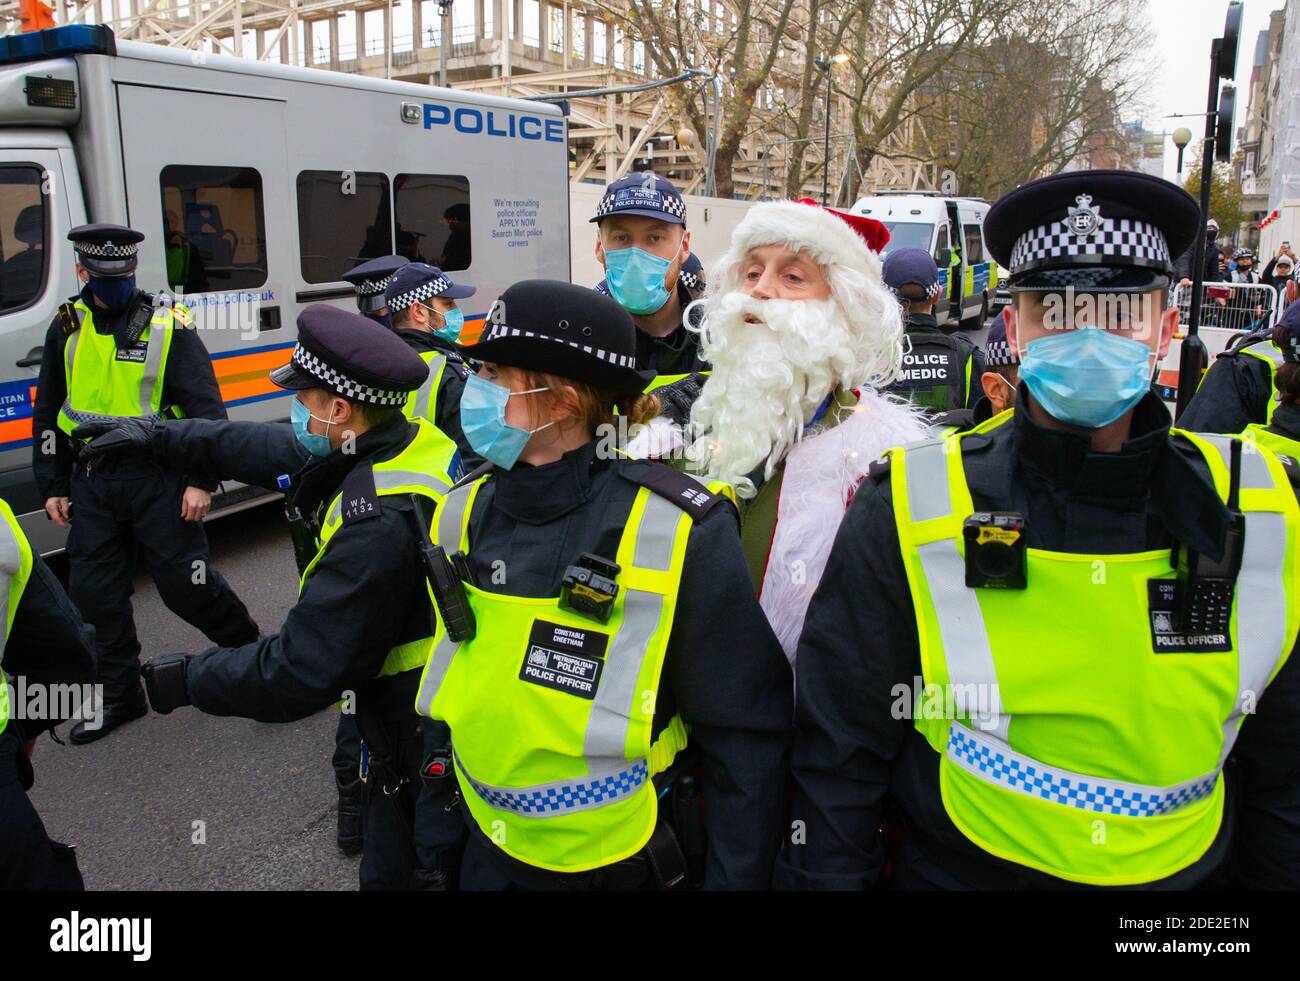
(802, 334)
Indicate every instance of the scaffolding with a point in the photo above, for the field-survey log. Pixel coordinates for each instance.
(520, 48)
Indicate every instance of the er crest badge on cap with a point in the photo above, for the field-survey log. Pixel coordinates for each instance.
(1083, 221)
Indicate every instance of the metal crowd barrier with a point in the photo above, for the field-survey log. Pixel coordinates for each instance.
(1243, 307)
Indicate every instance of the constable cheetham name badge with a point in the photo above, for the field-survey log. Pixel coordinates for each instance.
(568, 659)
(1166, 638)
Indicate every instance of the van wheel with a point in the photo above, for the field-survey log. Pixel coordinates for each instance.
(980, 319)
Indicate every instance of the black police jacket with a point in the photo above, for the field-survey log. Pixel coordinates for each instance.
(49, 644)
(939, 359)
(855, 764)
(1234, 393)
(365, 596)
(724, 671)
(449, 390)
(679, 352)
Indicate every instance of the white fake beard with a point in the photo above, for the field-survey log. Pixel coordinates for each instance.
(769, 378)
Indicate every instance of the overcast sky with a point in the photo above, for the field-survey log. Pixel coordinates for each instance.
(1183, 32)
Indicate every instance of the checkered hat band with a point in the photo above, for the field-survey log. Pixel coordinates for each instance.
(347, 387)
(1114, 237)
(497, 331)
(998, 353)
(421, 293)
(625, 199)
(107, 250)
(691, 281)
(371, 287)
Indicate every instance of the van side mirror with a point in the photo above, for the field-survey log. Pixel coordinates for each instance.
(942, 257)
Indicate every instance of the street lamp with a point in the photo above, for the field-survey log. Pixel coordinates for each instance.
(827, 65)
(444, 8)
(1181, 137)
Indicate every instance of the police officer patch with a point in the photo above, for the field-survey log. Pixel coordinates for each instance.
(567, 659)
(134, 353)
(1166, 638)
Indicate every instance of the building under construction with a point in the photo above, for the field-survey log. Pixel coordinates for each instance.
(520, 48)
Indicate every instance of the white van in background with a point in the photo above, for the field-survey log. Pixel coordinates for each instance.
(951, 230)
(256, 186)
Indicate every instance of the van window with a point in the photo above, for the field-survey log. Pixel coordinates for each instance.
(941, 243)
(909, 235)
(215, 227)
(433, 219)
(973, 251)
(22, 236)
(344, 218)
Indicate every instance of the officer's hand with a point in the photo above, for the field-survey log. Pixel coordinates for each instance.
(676, 399)
(123, 434)
(195, 503)
(58, 511)
(164, 682)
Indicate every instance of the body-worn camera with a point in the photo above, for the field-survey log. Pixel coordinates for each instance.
(996, 550)
(589, 588)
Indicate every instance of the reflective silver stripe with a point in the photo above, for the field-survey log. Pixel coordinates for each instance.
(84, 417)
(992, 760)
(597, 789)
(1261, 592)
(451, 517)
(965, 640)
(1266, 350)
(11, 563)
(153, 365)
(422, 400)
(615, 701)
(434, 672)
(927, 480)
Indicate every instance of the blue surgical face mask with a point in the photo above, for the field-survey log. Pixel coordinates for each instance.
(1086, 377)
(483, 420)
(453, 323)
(113, 292)
(317, 446)
(636, 280)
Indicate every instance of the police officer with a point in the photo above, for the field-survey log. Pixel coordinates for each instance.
(999, 381)
(581, 659)
(642, 243)
(364, 482)
(1056, 732)
(939, 368)
(370, 279)
(114, 351)
(421, 301)
(1239, 389)
(45, 643)
(1282, 432)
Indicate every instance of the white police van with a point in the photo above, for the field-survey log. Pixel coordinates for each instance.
(951, 230)
(257, 186)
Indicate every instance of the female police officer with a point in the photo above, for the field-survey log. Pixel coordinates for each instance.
(598, 635)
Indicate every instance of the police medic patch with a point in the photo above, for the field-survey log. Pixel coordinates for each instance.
(567, 659)
(1166, 638)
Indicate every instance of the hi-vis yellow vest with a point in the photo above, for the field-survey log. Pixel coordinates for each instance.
(550, 712)
(1067, 742)
(1271, 355)
(424, 401)
(103, 381)
(661, 381)
(421, 468)
(1263, 436)
(15, 570)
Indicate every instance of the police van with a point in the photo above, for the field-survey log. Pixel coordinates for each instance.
(951, 230)
(257, 187)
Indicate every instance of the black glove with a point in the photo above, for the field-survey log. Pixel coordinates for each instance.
(676, 399)
(164, 681)
(122, 434)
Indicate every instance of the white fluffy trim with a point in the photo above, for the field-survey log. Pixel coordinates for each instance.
(803, 228)
(821, 474)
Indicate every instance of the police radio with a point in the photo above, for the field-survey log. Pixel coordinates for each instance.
(306, 541)
(589, 588)
(446, 581)
(141, 315)
(996, 550)
(1206, 587)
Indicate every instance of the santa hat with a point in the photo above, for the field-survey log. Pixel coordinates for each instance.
(831, 237)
